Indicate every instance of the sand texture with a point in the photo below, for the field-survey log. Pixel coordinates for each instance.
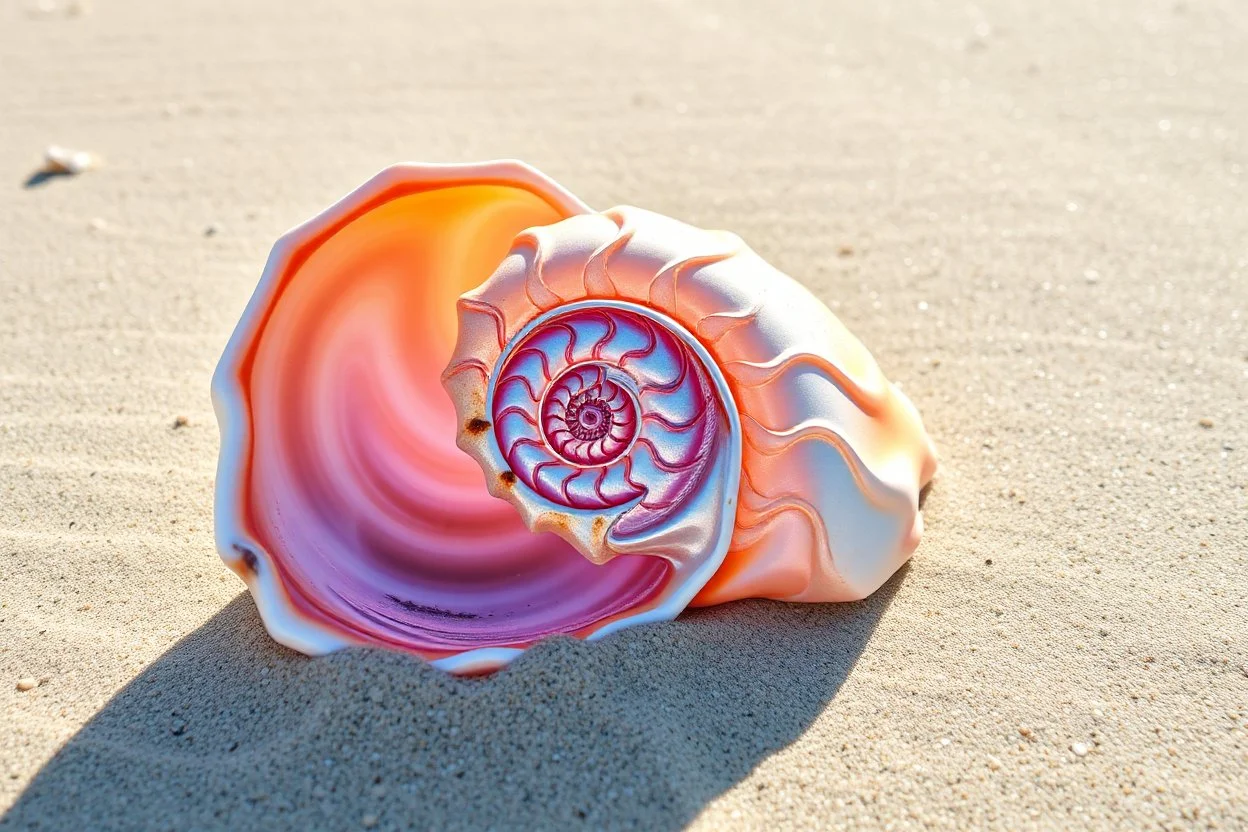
(1034, 214)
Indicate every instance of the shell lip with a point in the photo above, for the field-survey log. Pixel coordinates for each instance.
(688, 576)
(235, 544)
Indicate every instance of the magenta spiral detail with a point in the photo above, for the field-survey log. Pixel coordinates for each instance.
(599, 408)
(588, 418)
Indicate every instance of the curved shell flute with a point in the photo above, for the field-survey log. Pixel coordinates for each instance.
(672, 421)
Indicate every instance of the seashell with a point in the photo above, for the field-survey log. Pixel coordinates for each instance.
(667, 419)
(62, 160)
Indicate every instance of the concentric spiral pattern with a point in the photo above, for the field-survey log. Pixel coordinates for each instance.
(587, 417)
(599, 408)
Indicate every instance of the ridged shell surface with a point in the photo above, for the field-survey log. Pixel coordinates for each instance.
(640, 386)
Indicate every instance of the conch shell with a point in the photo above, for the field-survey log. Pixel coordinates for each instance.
(673, 422)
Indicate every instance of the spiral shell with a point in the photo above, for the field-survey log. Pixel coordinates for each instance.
(674, 422)
(750, 440)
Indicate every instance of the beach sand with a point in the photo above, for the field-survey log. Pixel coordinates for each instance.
(1035, 216)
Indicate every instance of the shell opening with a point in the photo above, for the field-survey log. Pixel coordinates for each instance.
(348, 478)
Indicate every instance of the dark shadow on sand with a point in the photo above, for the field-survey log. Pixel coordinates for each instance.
(44, 176)
(641, 730)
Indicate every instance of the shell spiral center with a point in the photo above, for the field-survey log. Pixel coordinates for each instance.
(599, 408)
(589, 418)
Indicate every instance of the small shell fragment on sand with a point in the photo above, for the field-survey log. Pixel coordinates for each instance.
(58, 159)
(44, 8)
(1206, 422)
(1080, 749)
(28, 683)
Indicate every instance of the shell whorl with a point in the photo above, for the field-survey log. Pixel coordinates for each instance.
(641, 386)
(602, 408)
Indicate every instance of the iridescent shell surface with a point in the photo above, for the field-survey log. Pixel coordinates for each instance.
(667, 419)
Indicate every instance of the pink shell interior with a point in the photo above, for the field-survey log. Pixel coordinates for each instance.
(382, 529)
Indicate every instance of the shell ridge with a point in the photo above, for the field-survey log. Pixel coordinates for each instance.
(541, 357)
(715, 326)
(596, 350)
(519, 379)
(500, 324)
(466, 364)
(536, 239)
(761, 373)
(675, 427)
(771, 506)
(517, 410)
(642, 352)
(674, 269)
(662, 464)
(773, 443)
(596, 277)
(670, 386)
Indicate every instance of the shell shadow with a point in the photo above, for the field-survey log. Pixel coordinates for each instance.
(43, 176)
(642, 729)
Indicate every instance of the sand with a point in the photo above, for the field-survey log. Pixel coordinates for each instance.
(1034, 214)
